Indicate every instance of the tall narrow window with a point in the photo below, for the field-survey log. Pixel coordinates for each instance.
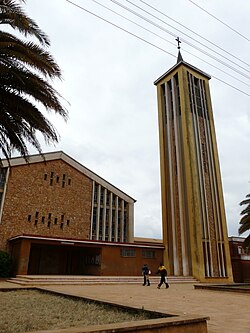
(197, 93)
(49, 219)
(63, 180)
(2, 177)
(102, 196)
(94, 223)
(108, 198)
(95, 193)
(164, 101)
(170, 99)
(178, 101)
(51, 178)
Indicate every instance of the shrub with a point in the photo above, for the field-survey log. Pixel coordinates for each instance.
(5, 264)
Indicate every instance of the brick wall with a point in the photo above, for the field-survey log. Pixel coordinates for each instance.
(47, 199)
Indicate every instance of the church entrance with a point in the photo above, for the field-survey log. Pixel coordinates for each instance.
(64, 260)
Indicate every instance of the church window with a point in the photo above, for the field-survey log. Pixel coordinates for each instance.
(149, 254)
(95, 193)
(197, 93)
(102, 196)
(36, 218)
(108, 198)
(163, 93)
(100, 223)
(178, 100)
(94, 221)
(49, 220)
(113, 201)
(2, 176)
(170, 100)
(113, 225)
(127, 252)
(107, 225)
(51, 178)
(63, 180)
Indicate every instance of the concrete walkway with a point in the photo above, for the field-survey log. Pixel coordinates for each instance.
(229, 312)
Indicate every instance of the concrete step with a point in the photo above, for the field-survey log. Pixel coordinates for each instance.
(39, 280)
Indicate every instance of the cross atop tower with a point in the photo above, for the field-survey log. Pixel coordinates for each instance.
(179, 42)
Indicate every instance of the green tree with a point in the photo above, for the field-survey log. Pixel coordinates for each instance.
(5, 264)
(26, 69)
(245, 220)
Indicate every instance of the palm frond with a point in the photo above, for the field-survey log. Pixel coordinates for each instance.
(21, 81)
(15, 50)
(245, 202)
(246, 210)
(25, 68)
(12, 14)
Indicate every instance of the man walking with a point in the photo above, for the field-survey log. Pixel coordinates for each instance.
(145, 273)
(163, 272)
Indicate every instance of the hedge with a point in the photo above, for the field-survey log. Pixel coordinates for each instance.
(5, 264)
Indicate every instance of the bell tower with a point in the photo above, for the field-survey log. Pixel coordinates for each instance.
(193, 213)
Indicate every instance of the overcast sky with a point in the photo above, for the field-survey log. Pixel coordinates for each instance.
(108, 80)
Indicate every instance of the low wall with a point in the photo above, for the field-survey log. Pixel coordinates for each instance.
(234, 287)
(178, 324)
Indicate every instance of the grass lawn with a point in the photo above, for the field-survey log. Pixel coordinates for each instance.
(28, 310)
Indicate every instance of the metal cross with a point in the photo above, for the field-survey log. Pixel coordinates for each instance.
(179, 42)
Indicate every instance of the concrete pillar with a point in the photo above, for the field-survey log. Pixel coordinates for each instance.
(23, 261)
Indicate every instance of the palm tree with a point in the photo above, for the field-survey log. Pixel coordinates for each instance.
(25, 69)
(245, 220)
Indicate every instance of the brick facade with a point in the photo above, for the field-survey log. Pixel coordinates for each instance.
(48, 199)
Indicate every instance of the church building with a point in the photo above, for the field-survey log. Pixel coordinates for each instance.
(59, 218)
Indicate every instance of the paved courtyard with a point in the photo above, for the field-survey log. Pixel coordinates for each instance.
(229, 312)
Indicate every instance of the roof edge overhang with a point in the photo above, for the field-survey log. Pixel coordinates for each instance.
(236, 239)
(60, 155)
(73, 241)
(146, 240)
(185, 64)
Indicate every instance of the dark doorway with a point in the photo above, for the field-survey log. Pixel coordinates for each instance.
(63, 260)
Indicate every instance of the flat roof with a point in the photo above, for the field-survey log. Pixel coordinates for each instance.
(72, 241)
